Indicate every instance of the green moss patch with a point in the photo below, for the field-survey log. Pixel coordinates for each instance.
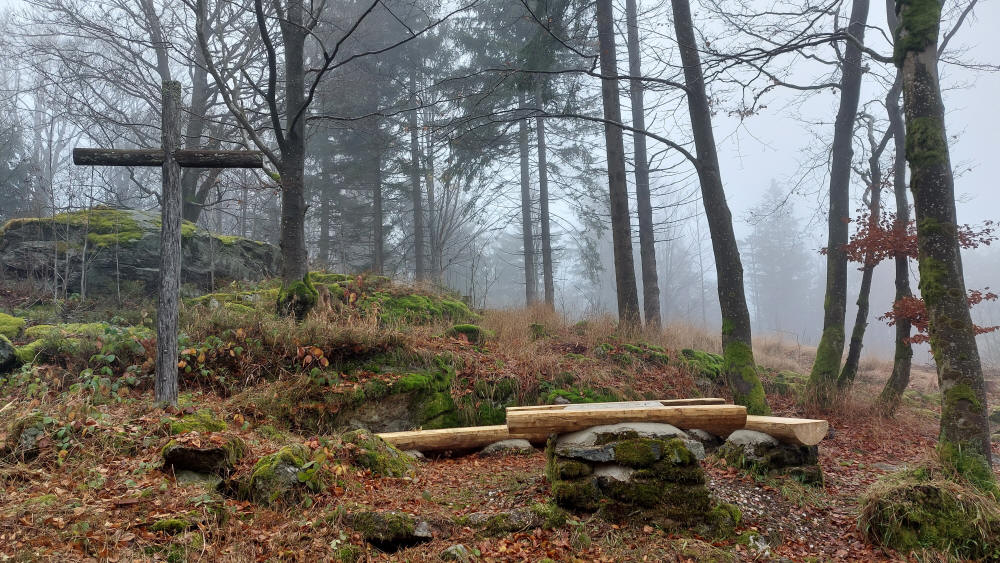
(203, 420)
(297, 298)
(10, 326)
(923, 508)
(705, 364)
(472, 333)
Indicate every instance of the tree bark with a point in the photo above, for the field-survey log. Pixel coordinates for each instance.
(822, 380)
(295, 257)
(737, 346)
(378, 259)
(527, 225)
(647, 242)
(964, 441)
(850, 371)
(543, 214)
(621, 227)
(165, 385)
(323, 243)
(433, 231)
(416, 197)
(899, 379)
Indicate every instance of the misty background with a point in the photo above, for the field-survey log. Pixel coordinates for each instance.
(774, 166)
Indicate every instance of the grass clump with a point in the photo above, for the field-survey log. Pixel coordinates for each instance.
(926, 508)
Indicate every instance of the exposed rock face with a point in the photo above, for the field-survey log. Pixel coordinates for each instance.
(8, 355)
(761, 453)
(635, 468)
(504, 447)
(390, 531)
(124, 245)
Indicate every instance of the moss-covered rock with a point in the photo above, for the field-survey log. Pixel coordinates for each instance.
(24, 436)
(416, 308)
(124, 244)
(202, 420)
(216, 458)
(8, 356)
(172, 526)
(995, 416)
(284, 477)
(473, 333)
(704, 364)
(381, 457)
(28, 353)
(10, 326)
(762, 454)
(389, 531)
(923, 508)
(297, 298)
(787, 383)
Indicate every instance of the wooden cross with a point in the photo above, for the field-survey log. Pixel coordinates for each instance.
(172, 159)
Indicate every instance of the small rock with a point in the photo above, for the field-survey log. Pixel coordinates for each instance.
(560, 400)
(24, 439)
(830, 433)
(514, 446)
(516, 520)
(457, 552)
(423, 530)
(208, 480)
(887, 467)
(416, 454)
(218, 459)
(613, 471)
(8, 355)
(751, 438)
(709, 441)
(389, 531)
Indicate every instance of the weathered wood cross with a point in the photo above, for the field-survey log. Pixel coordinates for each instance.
(172, 159)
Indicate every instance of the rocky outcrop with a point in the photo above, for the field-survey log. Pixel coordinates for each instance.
(120, 245)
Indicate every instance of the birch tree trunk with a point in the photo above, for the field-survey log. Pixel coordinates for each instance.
(737, 345)
(964, 441)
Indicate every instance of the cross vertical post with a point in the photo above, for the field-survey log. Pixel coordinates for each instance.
(165, 387)
(171, 158)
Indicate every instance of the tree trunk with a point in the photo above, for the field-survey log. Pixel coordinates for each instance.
(902, 359)
(378, 259)
(647, 242)
(964, 442)
(295, 258)
(415, 196)
(621, 227)
(543, 213)
(737, 345)
(165, 384)
(822, 381)
(527, 226)
(432, 218)
(850, 371)
(324, 225)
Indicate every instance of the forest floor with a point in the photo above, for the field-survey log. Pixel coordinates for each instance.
(98, 487)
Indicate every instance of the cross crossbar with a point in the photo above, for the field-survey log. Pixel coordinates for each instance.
(154, 157)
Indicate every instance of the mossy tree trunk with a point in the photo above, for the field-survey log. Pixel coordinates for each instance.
(647, 242)
(964, 440)
(621, 228)
(737, 347)
(826, 368)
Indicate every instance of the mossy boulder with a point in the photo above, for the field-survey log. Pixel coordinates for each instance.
(762, 454)
(382, 458)
(8, 356)
(202, 420)
(398, 307)
(704, 364)
(10, 326)
(284, 477)
(25, 436)
(473, 333)
(389, 531)
(217, 457)
(787, 383)
(923, 508)
(546, 516)
(124, 244)
(173, 525)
